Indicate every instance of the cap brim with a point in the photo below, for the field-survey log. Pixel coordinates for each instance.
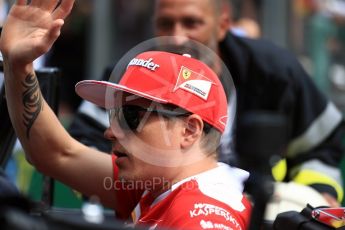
(97, 92)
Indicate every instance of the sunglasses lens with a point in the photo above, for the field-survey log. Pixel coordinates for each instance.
(129, 117)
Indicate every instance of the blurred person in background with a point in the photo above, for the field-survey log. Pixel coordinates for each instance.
(267, 78)
(245, 18)
(246, 27)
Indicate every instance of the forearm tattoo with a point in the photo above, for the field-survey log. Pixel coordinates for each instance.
(32, 102)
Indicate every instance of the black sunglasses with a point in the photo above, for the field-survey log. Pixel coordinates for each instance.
(130, 116)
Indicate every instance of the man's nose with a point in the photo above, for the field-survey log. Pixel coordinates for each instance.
(180, 35)
(113, 133)
(108, 134)
(180, 40)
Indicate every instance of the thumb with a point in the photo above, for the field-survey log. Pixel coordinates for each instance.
(54, 32)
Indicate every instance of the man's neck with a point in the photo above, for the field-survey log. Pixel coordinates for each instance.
(186, 171)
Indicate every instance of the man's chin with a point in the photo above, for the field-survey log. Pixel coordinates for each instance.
(125, 176)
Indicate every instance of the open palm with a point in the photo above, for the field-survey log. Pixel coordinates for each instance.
(31, 29)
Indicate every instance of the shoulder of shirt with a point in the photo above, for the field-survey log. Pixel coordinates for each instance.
(224, 184)
(191, 208)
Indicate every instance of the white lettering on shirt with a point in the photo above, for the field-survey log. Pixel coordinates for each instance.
(209, 209)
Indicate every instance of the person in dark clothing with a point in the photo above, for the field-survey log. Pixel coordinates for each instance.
(276, 82)
(266, 78)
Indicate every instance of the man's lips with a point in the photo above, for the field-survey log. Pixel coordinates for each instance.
(119, 154)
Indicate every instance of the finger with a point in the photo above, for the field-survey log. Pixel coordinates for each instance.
(49, 5)
(21, 2)
(54, 32)
(35, 3)
(63, 10)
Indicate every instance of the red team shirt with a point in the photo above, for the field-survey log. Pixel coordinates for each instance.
(210, 200)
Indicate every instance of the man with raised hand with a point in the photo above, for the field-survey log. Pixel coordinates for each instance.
(166, 115)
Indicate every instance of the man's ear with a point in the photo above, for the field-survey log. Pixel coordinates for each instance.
(224, 22)
(192, 131)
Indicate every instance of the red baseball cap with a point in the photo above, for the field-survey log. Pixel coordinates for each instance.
(166, 78)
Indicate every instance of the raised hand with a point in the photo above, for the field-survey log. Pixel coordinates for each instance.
(31, 29)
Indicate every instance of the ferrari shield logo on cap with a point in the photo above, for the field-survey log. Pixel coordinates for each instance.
(193, 82)
(186, 73)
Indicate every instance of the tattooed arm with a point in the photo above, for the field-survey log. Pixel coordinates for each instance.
(30, 31)
(32, 101)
